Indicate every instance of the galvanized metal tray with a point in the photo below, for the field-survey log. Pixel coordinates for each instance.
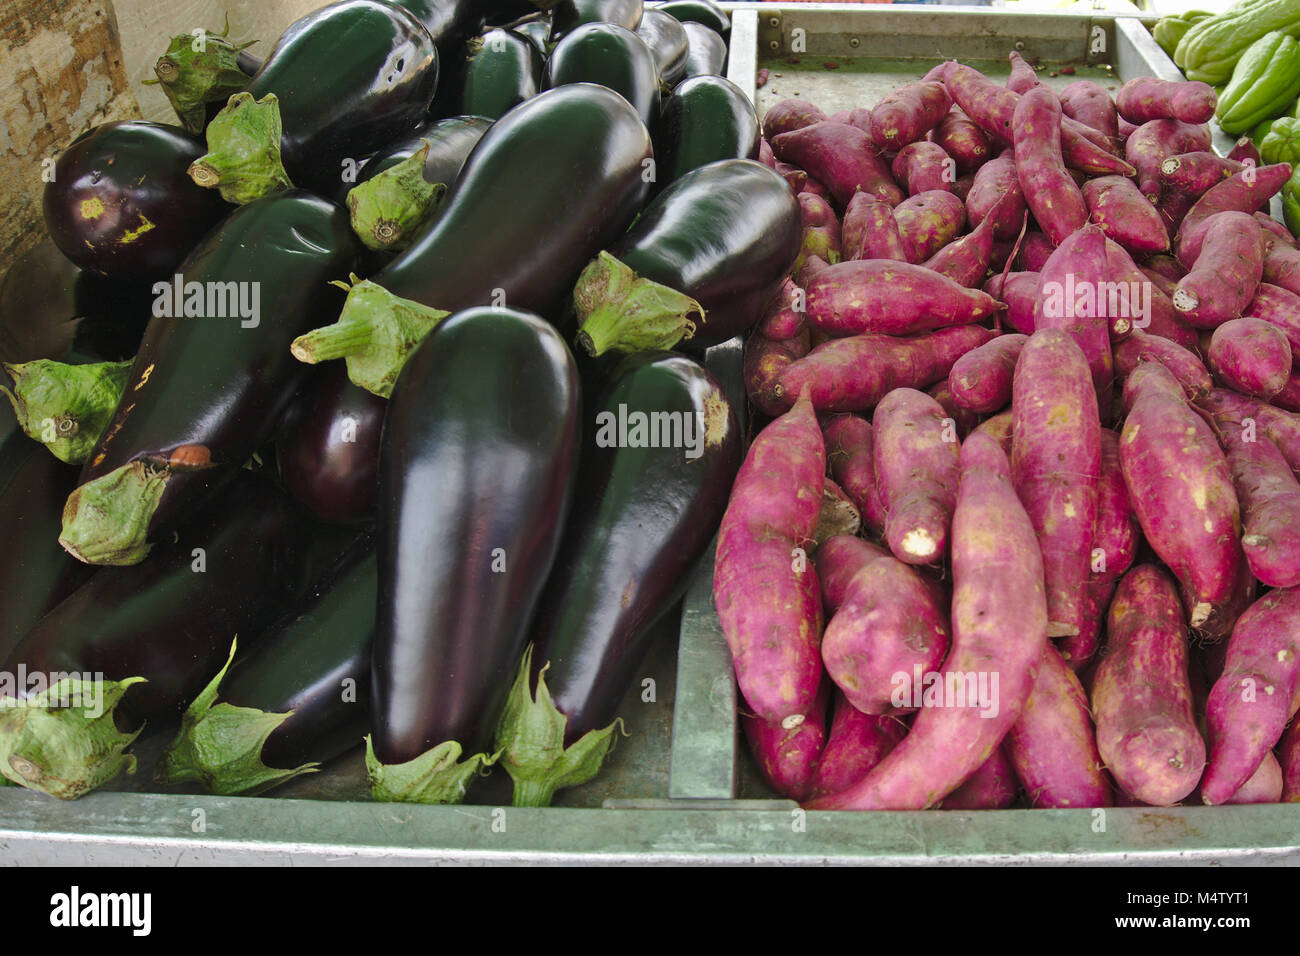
(679, 789)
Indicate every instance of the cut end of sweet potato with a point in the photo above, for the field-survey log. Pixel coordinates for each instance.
(919, 543)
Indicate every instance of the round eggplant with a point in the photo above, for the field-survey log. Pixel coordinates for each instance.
(666, 38)
(706, 51)
(707, 118)
(568, 15)
(611, 56)
(504, 69)
(120, 204)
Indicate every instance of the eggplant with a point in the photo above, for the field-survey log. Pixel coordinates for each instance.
(643, 516)
(706, 119)
(299, 699)
(666, 38)
(706, 51)
(346, 79)
(120, 204)
(476, 474)
(451, 140)
(208, 386)
(145, 639)
(568, 15)
(699, 264)
(535, 28)
(328, 449)
(450, 22)
(546, 188)
(611, 56)
(502, 71)
(198, 78)
(699, 11)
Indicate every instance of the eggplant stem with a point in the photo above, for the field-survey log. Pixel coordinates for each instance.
(617, 310)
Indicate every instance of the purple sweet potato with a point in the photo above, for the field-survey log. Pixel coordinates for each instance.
(929, 221)
(1056, 464)
(966, 260)
(789, 115)
(1166, 267)
(1264, 786)
(821, 231)
(1087, 102)
(1243, 150)
(817, 188)
(1052, 746)
(1141, 697)
(999, 628)
(851, 457)
(1274, 232)
(788, 757)
(1126, 129)
(889, 623)
(1246, 192)
(1181, 488)
(895, 298)
(1225, 276)
(917, 468)
(1251, 703)
(963, 140)
(842, 157)
(1022, 78)
(838, 561)
(764, 586)
(993, 786)
(1140, 347)
(870, 231)
(1278, 307)
(1116, 535)
(1251, 356)
(1018, 291)
(795, 178)
(993, 182)
(922, 166)
(1146, 98)
(857, 743)
(765, 360)
(1050, 192)
(981, 379)
(1035, 250)
(965, 420)
(906, 114)
(1282, 266)
(998, 427)
(1283, 429)
(1288, 756)
(812, 267)
(1155, 141)
(783, 317)
(853, 374)
(1173, 208)
(1269, 496)
(1070, 298)
(839, 516)
(765, 154)
(1125, 215)
(1195, 173)
(1289, 397)
(1078, 650)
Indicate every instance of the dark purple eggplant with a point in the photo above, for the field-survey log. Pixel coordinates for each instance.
(664, 35)
(502, 71)
(476, 475)
(451, 140)
(208, 386)
(569, 15)
(706, 51)
(307, 682)
(536, 28)
(546, 188)
(611, 56)
(328, 449)
(198, 77)
(698, 11)
(347, 79)
(450, 22)
(643, 516)
(706, 119)
(146, 639)
(121, 205)
(697, 266)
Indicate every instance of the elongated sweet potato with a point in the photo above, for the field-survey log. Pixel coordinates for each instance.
(1251, 703)
(838, 560)
(1226, 273)
(1251, 356)
(764, 585)
(795, 178)
(1278, 307)
(923, 166)
(996, 637)
(917, 454)
(1078, 650)
(851, 458)
(966, 260)
(995, 180)
(998, 427)
(1274, 232)
(1141, 699)
(1264, 786)
(853, 374)
(906, 114)
(1195, 173)
(1289, 397)
(1116, 535)
(1165, 267)
(1269, 497)
(1056, 464)
(1125, 215)
(1181, 488)
(1087, 102)
(993, 786)
(842, 157)
(765, 360)
(1070, 297)
(1246, 192)
(1018, 291)
(821, 230)
(928, 221)
(1050, 192)
(1146, 98)
(765, 154)
(811, 267)
(857, 743)
(870, 230)
(1155, 141)
(1173, 207)
(1283, 429)
(783, 317)
(963, 140)
(981, 379)
(789, 115)
(859, 116)
(1052, 746)
(1282, 266)
(788, 757)
(895, 298)
(963, 418)
(1190, 371)
(1035, 250)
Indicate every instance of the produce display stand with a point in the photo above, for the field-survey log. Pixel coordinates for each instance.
(679, 788)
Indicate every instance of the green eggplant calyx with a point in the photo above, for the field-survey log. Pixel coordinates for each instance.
(66, 407)
(197, 69)
(243, 157)
(436, 776)
(530, 738)
(618, 310)
(106, 521)
(375, 333)
(63, 741)
(220, 745)
(386, 211)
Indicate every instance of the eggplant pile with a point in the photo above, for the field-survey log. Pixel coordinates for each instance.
(450, 542)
